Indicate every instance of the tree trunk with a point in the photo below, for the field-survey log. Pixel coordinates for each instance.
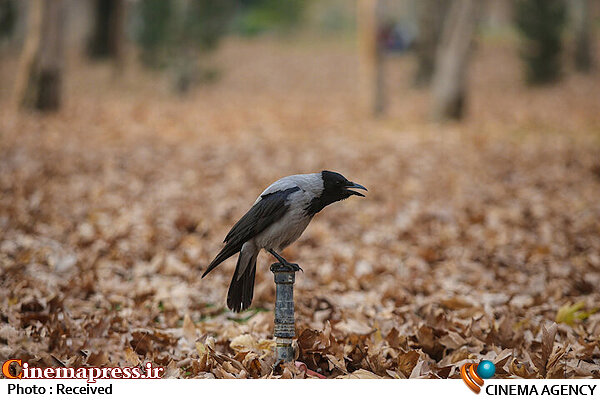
(371, 65)
(109, 29)
(497, 15)
(8, 17)
(431, 20)
(582, 21)
(452, 56)
(39, 82)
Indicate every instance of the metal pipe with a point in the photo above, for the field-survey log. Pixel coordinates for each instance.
(285, 329)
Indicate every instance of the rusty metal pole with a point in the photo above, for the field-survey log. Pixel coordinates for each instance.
(285, 329)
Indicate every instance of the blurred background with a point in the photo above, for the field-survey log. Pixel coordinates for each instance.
(134, 133)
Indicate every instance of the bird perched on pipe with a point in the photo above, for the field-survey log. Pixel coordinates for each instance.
(277, 219)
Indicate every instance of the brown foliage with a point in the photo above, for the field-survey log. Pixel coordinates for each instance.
(470, 242)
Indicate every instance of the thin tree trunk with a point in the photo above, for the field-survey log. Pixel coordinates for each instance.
(371, 65)
(109, 29)
(497, 14)
(431, 20)
(8, 17)
(39, 82)
(582, 20)
(450, 72)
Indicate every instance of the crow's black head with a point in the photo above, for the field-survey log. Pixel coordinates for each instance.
(335, 188)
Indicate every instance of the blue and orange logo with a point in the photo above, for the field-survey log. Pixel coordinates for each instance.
(474, 374)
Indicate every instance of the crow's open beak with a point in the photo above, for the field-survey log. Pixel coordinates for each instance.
(353, 185)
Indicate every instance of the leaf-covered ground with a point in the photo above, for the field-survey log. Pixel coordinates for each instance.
(474, 240)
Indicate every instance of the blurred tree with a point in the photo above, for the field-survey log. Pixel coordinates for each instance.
(582, 22)
(39, 80)
(257, 16)
(200, 24)
(330, 16)
(452, 57)
(8, 16)
(496, 16)
(176, 33)
(152, 33)
(431, 20)
(108, 32)
(541, 23)
(204, 22)
(370, 54)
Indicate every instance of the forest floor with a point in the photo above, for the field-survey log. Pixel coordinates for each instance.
(478, 240)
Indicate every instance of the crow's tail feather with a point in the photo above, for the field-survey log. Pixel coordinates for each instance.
(223, 255)
(241, 288)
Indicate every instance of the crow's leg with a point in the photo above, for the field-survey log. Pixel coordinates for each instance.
(284, 262)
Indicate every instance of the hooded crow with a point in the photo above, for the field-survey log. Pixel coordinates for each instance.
(278, 217)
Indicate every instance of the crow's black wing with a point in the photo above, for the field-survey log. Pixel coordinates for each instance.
(269, 209)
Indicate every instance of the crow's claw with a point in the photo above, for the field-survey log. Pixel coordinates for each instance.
(294, 267)
(285, 263)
